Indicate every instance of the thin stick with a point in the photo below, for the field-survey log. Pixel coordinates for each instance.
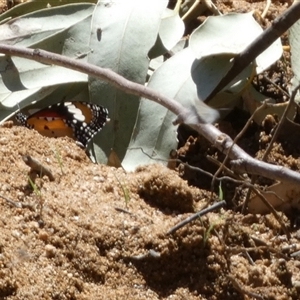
(17, 204)
(273, 139)
(241, 133)
(106, 74)
(220, 140)
(274, 212)
(215, 206)
(282, 120)
(36, 166)
(263, 15)
(242, 290)
(277, 86)
(260, 44)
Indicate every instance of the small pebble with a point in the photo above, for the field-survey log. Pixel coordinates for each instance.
(50, 251)
(43, 235)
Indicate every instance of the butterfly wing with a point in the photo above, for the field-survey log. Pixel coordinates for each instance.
(78, 120)
(54, 128)
(95, 117)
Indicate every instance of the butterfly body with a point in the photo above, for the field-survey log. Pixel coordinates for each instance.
(78, 120)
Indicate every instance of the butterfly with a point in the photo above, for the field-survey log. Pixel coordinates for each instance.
(78, 120)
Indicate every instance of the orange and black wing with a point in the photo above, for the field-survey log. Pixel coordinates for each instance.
(78, 120)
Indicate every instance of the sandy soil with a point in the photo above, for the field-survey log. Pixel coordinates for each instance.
(79, 237)
(97, 232)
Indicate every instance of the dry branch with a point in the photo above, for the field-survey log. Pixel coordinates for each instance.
(220, 140)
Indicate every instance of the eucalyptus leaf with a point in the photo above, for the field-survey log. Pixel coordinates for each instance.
(208, 71)
(294, 42)
(154, 135)
(38, 75)
(171, 28)
(34, 27)
(226, 34)
(153, 138)
(31, 6)
(9, 102)
(40, 97)
(170, 32)
(122, 33)
(20, 74)
(77, 91)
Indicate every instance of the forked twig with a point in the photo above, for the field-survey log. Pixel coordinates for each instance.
(241, 133)
(220, 140)
(269, 148)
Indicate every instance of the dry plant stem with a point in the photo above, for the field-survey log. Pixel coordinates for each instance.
(260, 44)
(177, 6)
(263, 15)
(251, 187)
(274, 137)
(36, 166)
(277, 86)
(193, 7)
(243, 183)
(234, 143)
(282, 120)
(221, 141)
(17, 204)
(246, 253)
(213, 9)
(273, 211)
(123, 210)
(151, 253)
(242, 290)
(197, 215)
(224, 168)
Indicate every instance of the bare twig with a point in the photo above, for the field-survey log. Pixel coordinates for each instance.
(269, 148)
(197, 215)
(151, 253)
(261, 43)
(106, 74)
(220, 140)
(123, 210)
(17, 204)
(211, 6)
(282, 120)
(37, 167)
(277, 86)
(274, 212)
(234, 143)
(242, 289)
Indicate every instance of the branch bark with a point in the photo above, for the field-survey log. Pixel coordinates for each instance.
(260, 44)
(220, 140)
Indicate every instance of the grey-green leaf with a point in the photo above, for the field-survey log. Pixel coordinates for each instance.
(34, 27)
(154, 134)
(232, 33)
(122, 34)
(294, 40)
(68, 38)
